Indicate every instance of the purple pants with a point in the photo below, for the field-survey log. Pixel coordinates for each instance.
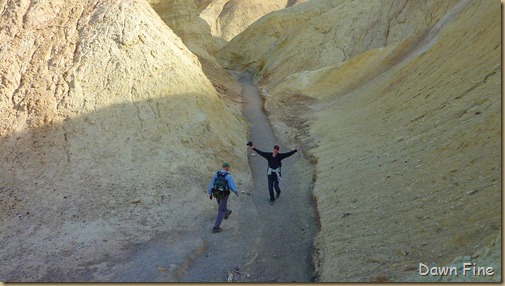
(221, 210)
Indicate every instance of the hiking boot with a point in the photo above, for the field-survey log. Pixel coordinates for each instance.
(271, 202)
(216, 229)
(227, 214)
(278, 195)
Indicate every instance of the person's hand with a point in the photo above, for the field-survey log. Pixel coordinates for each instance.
(210, 197)
(236, 194)
(250, 145)
(298, 147)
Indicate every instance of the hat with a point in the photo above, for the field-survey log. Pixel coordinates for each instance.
(226, 165)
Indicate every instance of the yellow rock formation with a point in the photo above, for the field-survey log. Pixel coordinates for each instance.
(228, 18)
(101, 104)
(114, 114)
(399, 106)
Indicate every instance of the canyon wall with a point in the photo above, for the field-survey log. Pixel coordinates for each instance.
(228, 18)
(115, 114)
(108, 126)
(398, 105)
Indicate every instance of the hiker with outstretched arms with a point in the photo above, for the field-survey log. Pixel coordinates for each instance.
(274, 159)
(219, 188)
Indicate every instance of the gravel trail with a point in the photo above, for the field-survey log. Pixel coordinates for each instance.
(271, 243)
(259, 243)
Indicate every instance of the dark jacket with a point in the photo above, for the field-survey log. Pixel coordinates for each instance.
(274, 162)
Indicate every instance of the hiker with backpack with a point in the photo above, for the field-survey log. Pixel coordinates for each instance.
(274, 159)
(219, 188)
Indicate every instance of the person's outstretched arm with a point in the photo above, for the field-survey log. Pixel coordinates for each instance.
(287, 154)
(263, 154)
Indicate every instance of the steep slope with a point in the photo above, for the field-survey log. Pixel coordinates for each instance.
(404, 128)
(182, 16)
(110, 131)
(323, 33)
(227, 18)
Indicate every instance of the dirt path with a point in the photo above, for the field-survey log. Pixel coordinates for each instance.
(259, 243)
(271, 243)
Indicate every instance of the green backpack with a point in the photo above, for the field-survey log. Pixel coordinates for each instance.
(220, 188)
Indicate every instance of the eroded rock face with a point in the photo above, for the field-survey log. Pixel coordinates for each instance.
(398, 105)
(227, 18)
(109, 124)
(101, 104)
(182, 16)
(324, 33)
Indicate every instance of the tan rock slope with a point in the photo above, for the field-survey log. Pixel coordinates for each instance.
(182, 16)
(114, 114)
(228, 18)
(398, 105)
(109, 127)
(324, 33)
